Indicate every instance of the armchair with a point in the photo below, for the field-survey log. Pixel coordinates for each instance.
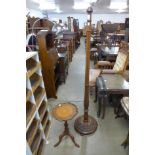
(106, 67)
(120, 64)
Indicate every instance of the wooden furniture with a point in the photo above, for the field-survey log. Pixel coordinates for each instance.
(113, 33)
(111, 28)
(107, 67)
(63, 47)
(63, 62)
(92, 52)
(117, 37)
(123, 111)
(37, 24)
(38, 120)
(49, 57)
(121, 61)
(65, 112)
(72, 37)
(73, 27)
(125, 106)
(106, 85)
(68, 42)
(86, 124)
(106, 53)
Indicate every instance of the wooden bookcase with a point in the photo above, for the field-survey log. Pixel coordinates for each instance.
(38, 119)
(49, 59)
(72, 36)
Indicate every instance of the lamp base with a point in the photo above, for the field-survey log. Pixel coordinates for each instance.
(85, 128)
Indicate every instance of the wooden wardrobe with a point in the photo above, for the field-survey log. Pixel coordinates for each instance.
(48, 57)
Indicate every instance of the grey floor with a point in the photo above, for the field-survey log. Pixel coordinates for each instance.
(110, 132)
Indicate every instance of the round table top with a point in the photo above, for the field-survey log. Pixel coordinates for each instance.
(64, 111)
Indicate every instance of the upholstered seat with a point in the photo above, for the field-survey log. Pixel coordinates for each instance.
(108, 71)
(125, 104)
(104, 65)
(93, 74)
(100, 63)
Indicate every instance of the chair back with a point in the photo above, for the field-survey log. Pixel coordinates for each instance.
(122, 59)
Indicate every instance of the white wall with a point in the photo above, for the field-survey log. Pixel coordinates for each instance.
(34, 13)
(114, 18)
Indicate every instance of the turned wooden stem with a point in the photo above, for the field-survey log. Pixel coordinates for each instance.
(86, 94)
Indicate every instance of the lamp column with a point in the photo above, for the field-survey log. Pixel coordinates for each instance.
(86, 124)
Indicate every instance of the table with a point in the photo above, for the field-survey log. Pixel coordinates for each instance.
(117, 37)
(65, 112)
(109, 54)
(106, 85)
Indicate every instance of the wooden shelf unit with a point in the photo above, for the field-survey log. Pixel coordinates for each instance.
(37, 113)
(38, 95)
(49, 58)
(32, 131)
(41, 147)
(32, 66)
(36, 142)
(28, 94)
(48, 125)
(30, 110)
(35, 80)
(44, 120)
(42, 110)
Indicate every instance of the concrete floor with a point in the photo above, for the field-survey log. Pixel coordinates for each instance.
(110, 132)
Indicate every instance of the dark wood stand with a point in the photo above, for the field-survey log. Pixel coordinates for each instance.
(66, 133)
(86, 124)
(64, 112)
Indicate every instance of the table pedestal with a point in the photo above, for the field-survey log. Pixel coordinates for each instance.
(66, 133)
(85, 128)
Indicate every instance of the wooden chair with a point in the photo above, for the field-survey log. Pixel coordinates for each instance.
(106, 67)
(120, 64)
(125, 106)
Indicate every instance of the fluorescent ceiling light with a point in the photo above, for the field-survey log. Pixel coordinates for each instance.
(90, 1)
(120, 10)
(47, 6)
(81, 5)
(39, 1)
(118, 5)
(58, 10)
(36, 1)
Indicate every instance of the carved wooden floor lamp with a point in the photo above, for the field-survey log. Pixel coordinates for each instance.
(86, 124)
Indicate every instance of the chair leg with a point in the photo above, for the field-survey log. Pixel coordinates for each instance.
(96, 92)
(104, 101)
(99, 105)
(91, 90)
(118, 111)
(103, 108)
(125, 143)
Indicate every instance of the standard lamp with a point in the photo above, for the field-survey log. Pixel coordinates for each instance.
(89, 16)
(86, 124)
